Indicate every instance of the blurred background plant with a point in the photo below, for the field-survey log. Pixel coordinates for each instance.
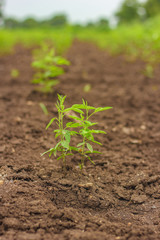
(14, 73)
(47, 66)
(135, 32)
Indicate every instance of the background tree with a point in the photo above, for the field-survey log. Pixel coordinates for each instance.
(90, 24)
(11, 23)
(103, 24)
(129, 11)
(1, 13)
(29, 23)
(152, 8)
(59, 20)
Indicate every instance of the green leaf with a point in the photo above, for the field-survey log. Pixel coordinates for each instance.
(101, 109)
(51, 83)
(90, 148)
(86, 133)
(90, 107)
(92, 152)
(51, 121)
(98, 131)
(67, 109)
(69, 154)
(63, 99)
(51, 149)
(77, 110)
(60, 61)
(59, 157)
(60, 97)
(84, 103)
(97, 142)
(54, 151)
(44, 109)
(65, 144)
(37, 80)
(67, 136)
(57, 131)
(73, 133)
(75, 125)
(82, 106)
(80, 144)
(57, 135)
(53, 72)
(73, 149)
(89, 124)
(69, 124)
(57, 145)
(74, 117)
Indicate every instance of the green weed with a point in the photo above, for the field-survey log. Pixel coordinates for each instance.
(87, 88)
(44, 109)
(14, 73)
(149, 71)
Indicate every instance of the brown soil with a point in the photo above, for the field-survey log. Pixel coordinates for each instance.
(119, 197)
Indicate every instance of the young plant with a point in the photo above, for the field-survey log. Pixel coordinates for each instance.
(83, 126)
(48, 68)
(149, 70)
(44, 109)
(14, 73)
(87, 88)
(86, 132)
(63, 133)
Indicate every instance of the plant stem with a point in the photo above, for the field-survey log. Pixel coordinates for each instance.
(64, 161)
(83, 148)
(62, 135)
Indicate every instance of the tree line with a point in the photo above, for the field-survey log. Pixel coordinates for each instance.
(136, 10)
(59, 20)
(129, 11)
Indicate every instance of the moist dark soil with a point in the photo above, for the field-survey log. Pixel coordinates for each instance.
(119, 196)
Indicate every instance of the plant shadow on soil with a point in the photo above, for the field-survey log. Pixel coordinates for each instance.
(118, 198)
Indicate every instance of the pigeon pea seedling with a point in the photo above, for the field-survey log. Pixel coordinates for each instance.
(14, 73)
(48, 68)
(84, 124)
(63, 133)
(44, 109)
(83, 131)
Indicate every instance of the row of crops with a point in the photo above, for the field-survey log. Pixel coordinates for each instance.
(136, 40)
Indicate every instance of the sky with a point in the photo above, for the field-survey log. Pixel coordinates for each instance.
(78, 11)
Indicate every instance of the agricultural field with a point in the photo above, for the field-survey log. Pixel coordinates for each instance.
(109, 195)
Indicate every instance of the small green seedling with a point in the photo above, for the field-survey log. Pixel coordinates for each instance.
(44, 109)
(48, 68)
(86, 132)
(87, 88)
(83, 127)
(14, 73)
(63, 133)
(149, 71)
